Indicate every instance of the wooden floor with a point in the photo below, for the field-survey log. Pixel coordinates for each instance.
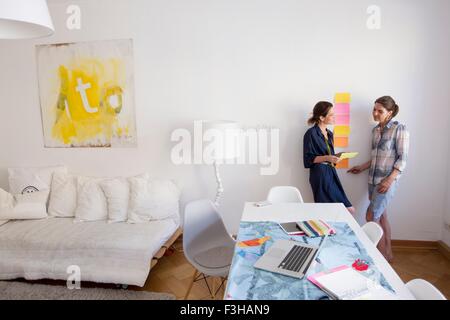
(173, 273)
(427, 264)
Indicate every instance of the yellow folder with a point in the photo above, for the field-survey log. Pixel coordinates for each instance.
(349, 155)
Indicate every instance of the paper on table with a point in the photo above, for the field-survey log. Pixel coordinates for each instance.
(253, 242)
(345, 283)
(349, 155)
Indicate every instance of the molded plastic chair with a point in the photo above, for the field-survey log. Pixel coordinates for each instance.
(206, 243)
(374, 232)
(284, 195)
(423, 290)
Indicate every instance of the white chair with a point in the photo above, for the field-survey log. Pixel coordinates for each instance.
(284, 195)
(374, 232)
(423, 290)
(207, 244)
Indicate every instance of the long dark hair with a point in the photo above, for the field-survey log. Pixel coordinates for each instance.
(320, 110)
(390, 105)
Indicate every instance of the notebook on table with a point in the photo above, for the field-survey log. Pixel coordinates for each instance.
(345, 283)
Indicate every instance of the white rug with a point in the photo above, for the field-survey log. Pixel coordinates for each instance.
(26, 291)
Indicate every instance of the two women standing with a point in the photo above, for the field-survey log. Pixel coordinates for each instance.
(390, 144)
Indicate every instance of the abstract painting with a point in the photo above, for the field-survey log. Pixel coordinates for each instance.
(87, 94)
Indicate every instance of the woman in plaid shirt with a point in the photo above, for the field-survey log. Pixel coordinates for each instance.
(390, 144)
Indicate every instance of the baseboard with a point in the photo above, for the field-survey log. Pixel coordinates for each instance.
(444, 249)
(415, 244)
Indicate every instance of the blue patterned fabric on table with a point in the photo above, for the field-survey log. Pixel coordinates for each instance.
(248, 283)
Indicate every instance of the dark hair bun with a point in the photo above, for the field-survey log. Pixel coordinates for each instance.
(396, 111)
(321, 109)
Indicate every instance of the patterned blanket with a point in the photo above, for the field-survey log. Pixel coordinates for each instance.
(247, 283)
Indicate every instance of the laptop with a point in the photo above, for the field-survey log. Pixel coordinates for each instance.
(289, 258)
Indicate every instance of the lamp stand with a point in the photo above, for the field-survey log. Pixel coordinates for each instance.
(220, 189)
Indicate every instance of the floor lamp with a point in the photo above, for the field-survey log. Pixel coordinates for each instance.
(224, 145)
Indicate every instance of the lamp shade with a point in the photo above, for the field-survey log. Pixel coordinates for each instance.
(224, 138)
(24, 19)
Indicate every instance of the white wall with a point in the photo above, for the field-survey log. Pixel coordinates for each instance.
(259, 62)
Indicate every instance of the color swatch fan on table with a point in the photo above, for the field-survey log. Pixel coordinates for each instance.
(342, 127)
(316, 228)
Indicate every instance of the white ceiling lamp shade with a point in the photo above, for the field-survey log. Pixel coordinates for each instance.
(25, 19)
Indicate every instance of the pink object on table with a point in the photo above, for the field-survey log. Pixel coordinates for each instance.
(313, 278)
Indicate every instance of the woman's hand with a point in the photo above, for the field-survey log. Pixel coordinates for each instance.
(356, 170)
(333, 159)
(384, 186)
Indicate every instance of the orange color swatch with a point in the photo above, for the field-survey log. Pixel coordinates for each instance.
(253, 242)
(341, 142)
(344, 164)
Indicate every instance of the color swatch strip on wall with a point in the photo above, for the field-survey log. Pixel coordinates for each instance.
(342, 127)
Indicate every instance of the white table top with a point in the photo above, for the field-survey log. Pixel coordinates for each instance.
(288, 212)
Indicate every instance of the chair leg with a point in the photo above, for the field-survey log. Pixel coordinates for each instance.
(222, 286)
(213, 291)
(224, 283)
(191, 284)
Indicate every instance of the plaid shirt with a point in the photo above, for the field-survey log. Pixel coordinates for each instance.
(389, 151)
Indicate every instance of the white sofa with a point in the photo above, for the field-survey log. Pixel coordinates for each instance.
(106, 253)
(105, 249)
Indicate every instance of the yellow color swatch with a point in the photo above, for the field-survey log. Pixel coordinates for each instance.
(342, 131)
(341, 142)
(343, 98)
(344, 164)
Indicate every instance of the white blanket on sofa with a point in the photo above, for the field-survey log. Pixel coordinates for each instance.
(106, 253)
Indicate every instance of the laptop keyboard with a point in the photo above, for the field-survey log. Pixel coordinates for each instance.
(295, 258)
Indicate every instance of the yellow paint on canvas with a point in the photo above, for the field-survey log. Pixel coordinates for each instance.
(94, 119)
(342, 131)
(342, 98)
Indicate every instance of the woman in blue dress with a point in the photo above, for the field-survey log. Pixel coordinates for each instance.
(320, 158)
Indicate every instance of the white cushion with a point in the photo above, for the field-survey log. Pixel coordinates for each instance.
(91, 202)
(63, 195)
(2, 222)
(26, 180)
(28, 206)
(117, 192)
(152, 200)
